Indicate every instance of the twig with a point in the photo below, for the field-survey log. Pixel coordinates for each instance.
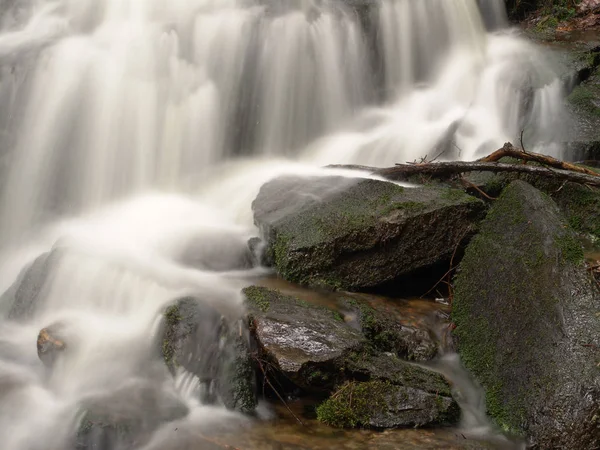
(452, 267)
(277, 392)
(521, 139)
(467, 183)
(439, 281)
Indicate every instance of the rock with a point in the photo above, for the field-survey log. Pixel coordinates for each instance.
(306, 343)
(50, 344)
(379, 404)
(127, 418)
(527, 324)
(315, 349)
(388, 334)
(24, 293)
(580, 204)
(358, 233)
(199, 339)
(396, 394)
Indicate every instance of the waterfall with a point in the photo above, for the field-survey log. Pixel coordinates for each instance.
(132, 130)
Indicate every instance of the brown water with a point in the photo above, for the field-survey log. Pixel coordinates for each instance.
(283, 432)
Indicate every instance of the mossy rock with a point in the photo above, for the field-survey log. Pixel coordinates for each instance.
(381, 404)
(357, 233)
(527, 324)
(199, 339)
(371, 365)
(387, 334)
(580, 204)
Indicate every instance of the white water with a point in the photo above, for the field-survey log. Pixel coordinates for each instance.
(135, 132)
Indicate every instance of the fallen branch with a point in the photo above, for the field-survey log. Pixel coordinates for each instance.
(511, 152)
(403, 172)
(549, 167)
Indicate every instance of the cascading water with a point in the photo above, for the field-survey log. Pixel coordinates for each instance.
(135, 132)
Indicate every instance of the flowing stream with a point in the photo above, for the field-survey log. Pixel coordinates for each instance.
(134, 135)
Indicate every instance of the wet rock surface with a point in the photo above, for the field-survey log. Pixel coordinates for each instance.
(527, 322)
(579, 204)
(306, 342)
(388, 334)
(197, 338)
(358, 233)
(379, 404)
(319, 351)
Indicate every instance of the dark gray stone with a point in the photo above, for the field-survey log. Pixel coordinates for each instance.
(305, 342)
(359, 233)
(199, 339)
(388, 334)
(527, 322)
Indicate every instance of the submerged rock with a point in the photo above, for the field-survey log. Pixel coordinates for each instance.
(527, 323)
(357, 233)
(306, 343)
(23, 295)
(198, 338)
(127, 418)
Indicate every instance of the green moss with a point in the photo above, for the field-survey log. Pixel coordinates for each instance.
(570, 247)
(240, 376)
(259, 297)
(172, 319)
(506, 268)
(455, 195)
(318, 377)
(585, 99)
(352, 404)
(403, 206)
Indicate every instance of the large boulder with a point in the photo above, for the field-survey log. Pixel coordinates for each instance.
(527, 323)
(358, 233)
(197, 338)
(579, 203)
